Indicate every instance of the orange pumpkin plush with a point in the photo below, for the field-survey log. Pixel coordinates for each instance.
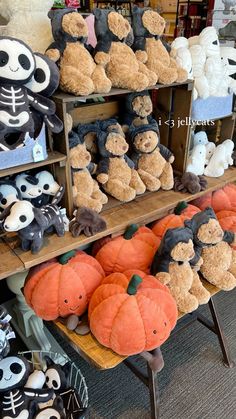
(135, 249)
(227, 220)
(61, 288)
(182, 212)
(222, 199)
(132, 312)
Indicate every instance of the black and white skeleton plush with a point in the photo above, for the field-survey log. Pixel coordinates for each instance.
(9, 193)
(45, 81)
(18, 402)
(48, 186)
(31, 223)
(28, 186)
(17, 67)
(52, 412)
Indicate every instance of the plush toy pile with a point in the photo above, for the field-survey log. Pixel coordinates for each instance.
(29, 206)
(210, 65)
(208, 159)
(115, 61)
(123, 161)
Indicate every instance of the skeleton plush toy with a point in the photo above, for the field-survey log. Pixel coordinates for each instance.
(18, 402)
(9, 193)
(17, 67)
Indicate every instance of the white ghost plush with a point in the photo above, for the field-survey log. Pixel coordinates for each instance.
(180, 51)
(200, 138)
(210, 149)
(196, 162)
(229, 148)
(216, 166)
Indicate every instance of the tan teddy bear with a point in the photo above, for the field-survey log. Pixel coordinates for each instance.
(86, 192)
(116, 171)
(148, 27)
(213, 245)
(171, 265)
(79, 74)
(122, 66)
(152, 160)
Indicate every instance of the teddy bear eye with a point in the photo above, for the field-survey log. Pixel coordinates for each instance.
(80, 297)
(66, 301)
(154, 332)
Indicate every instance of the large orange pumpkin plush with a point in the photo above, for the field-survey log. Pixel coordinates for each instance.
(222, 199)
(227, 220)
(135, 249)
(61, 288)
(182, 212)
(132, 312)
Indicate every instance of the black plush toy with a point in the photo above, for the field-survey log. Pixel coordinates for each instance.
(18, 402)
(52, 412)
(48, 186)
(17, 67)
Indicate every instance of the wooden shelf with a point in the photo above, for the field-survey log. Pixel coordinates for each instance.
(91, 350)
(67, 98)
(143, 210)
(53, 157)
(10, 263)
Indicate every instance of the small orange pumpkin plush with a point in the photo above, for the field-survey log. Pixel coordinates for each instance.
(61, 288)
(182, 212)
(132, 312)
(135, 249)
(227, 220)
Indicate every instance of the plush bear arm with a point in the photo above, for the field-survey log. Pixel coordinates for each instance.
(229, 237)
(102, 172)
(129, 162)
(54, 51)
(101, 52)
(166, 153)
(195, 261)
(92, 168)
(139, 44)
(135, 159)
(141, 56)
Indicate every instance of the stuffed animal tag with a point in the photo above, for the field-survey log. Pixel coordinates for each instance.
(38, 152)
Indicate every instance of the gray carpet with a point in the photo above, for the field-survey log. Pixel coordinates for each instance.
(193, 385)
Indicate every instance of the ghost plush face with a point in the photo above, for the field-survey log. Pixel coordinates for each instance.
(209, 41)
(14, 371)
(228, 57)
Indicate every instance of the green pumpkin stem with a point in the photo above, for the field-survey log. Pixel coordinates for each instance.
(130, 231)
(180, 207)
(64, 259)
(135, 281)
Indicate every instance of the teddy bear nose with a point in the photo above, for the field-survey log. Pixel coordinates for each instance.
(124, 147)
(147, 144)
(80, 25)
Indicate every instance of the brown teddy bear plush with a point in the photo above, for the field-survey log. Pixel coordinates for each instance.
(89, 133)
(79, 74)
(148, 27)
(152, 160)
(138, 109)
(122, 66)
(116, 171)
(171, 265)
(212, 244)
(86, 192)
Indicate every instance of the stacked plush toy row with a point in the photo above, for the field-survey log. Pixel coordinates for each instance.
(125, 164)
(210, 65)
(117, 281)
(112, 63)
(29, 206)
(207, 158)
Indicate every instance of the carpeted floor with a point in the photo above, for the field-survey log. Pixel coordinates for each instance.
(193, 385)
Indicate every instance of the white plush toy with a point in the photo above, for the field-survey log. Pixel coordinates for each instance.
(198, 60)
(196, 162)
(210, 149)
(229, 148)
(216, 166)
(180, 51)
(28, 20)
(228, 60)
(200, 138)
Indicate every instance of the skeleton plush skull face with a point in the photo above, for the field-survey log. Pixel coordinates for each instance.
(17, 62)
(47, 183)
(28, 186)
(45, 80)
(9, 194)
(21, 215)
(14, 371)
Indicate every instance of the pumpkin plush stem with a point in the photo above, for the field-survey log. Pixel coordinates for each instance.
(131, 230)
(180, 207)
(64, 259)
(135, 281)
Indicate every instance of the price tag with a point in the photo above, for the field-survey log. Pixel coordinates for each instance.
(38, 152)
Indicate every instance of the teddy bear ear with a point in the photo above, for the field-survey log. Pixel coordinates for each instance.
(97, 12)
(51, 14)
